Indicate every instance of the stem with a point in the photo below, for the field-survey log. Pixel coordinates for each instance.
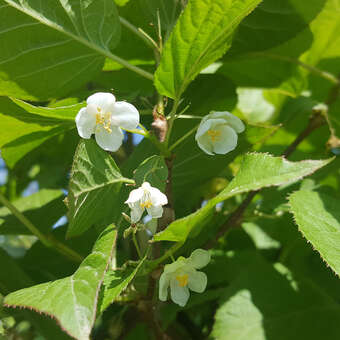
(136, 245)
(136, 31)
(180, 140)
(49, 242)
(171, 121)
(324, 74)
(129, 66)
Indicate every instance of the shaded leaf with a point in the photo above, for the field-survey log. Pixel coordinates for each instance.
(52, 47)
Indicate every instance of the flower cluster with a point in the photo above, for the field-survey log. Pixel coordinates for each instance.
(217, 134)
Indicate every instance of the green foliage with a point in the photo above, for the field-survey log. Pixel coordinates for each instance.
(70, 41)
(94, 188)
(269, 302)
(267, 211)
(257, 171)
(72, 300)
(202, 34)
(317, 216)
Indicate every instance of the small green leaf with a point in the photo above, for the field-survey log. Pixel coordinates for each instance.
(115, 282)
(202, 34)
(52, 47)
(72, 301)
(42, 208)
(270, 302)
(257, 171)
(152, 170)
(318, 218)
(94, 187)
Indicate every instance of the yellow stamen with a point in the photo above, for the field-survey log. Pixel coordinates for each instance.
(182, 280)
(146, 204)
(104, 120)
(214, 135)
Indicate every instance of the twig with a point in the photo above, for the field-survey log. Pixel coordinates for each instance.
(48, 241)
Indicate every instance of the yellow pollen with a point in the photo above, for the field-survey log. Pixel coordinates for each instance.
(104, 120)
(214, 135)
(146, 204)
(182, 280)
(99, 109)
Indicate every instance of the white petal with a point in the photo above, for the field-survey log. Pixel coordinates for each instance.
(227, 141)
(86, 123)
(203, 128)
(136, 212)
(179, 295)
(199, 258)
(197, 281)
(155, 211)
(109, 141)
(135, 195)
(181, 262)
(204, 142)
(164, 283)
(125, 115)
(157, 197)
(103, 100)
(235, 122)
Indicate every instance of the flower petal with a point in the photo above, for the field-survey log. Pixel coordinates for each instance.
(235, 122)
(197, 281)
(135, 195)
(204, 142)
(103, 100)
(181, 262)
(199, 258)
(155, 211)
(157, 197)
(179, 295)
(109, 141)
(227, 141)
(86, 123)
(136, 212)
(164, 283)
(125, 115)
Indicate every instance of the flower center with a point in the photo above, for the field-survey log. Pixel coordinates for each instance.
(146, 204)
(214, 135)
(104, 119)
(182, 280)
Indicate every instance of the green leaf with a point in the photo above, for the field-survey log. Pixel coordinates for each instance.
(115, 282)
(268, 302)
(257, 171)
(25, 127)
(67, 113)
(201, 35)
(94, 187)
(52, 47)
(152, 170)
(72, 301)
(318, 218)
(42, 208)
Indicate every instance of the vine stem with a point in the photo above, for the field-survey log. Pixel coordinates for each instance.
(180, 140)
(48, 241)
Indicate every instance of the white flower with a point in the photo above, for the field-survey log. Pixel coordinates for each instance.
(105, 117)
(217, 132)
(182, 275)
(146, 197)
